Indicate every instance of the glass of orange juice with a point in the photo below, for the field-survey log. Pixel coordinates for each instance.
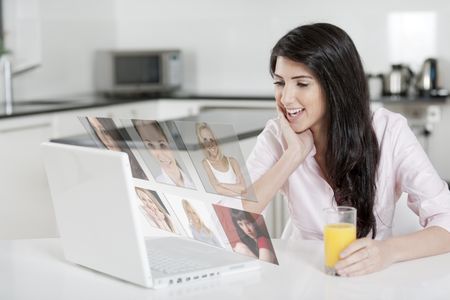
(339, 232)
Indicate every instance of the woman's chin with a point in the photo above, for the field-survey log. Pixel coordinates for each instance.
(298, 129)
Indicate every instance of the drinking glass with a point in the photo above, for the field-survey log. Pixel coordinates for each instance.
(338, 234)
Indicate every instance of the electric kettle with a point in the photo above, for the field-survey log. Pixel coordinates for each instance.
(397, 81)
(426, 81)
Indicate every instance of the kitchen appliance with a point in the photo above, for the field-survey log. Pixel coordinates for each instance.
(427, 80)
(397, 82)
(114, 243)
(137, 72)
(427, 77)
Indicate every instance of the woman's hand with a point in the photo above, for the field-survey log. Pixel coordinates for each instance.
(364, 256)
(299, 144)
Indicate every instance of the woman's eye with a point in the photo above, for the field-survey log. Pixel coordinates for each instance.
(150, 145)
(302, 84)
(280, 83)
(163, 146)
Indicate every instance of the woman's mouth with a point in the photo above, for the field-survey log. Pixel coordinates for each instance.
(293, 114)
(165, 161)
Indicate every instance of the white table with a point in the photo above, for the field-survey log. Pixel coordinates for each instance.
(36, 269)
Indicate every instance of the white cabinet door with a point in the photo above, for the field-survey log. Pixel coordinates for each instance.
(26, 210)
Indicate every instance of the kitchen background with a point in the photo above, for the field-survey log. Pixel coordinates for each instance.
(225, 44)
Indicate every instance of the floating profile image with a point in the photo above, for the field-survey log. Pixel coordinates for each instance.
(197, 219)
(107, 135)
(198, 228)
(154, 210)
(215, 152)
(247, 233)
(165, 165)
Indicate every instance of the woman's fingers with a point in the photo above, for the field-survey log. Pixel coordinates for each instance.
(364, 256)
(355, 246)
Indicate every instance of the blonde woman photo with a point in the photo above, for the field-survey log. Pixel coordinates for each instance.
(199, 230)
(154, 211)
(224, 173)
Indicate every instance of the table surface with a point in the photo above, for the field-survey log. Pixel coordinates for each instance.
(36, 269)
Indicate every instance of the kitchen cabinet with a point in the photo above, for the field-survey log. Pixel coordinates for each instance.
(25, 209)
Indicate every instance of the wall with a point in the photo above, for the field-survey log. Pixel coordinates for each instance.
(70, 32)
(227, 43)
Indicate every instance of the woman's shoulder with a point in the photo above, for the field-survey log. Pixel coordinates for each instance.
(271, 134)
(386, 122)
(273, 127)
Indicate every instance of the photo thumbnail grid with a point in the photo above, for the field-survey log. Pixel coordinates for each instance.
(166, 153)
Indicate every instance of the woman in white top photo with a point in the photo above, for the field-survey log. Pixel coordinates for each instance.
(224, 172)
(158, 145)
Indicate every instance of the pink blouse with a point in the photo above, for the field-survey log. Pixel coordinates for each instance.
(403, 167)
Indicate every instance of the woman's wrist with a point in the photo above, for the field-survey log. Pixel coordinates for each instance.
(294, 156)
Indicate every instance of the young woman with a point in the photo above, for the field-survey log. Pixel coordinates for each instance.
(156, 142)
(253, 241)
(326, 148)
(223, 172)
(108, 134)
(199, 230)
(155, 212)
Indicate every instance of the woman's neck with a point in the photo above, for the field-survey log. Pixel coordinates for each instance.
(175, 175)
(321, 144)
(320, 141)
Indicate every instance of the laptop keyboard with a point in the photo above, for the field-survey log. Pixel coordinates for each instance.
(173, 262)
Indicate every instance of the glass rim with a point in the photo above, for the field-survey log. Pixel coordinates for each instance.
(340, 209)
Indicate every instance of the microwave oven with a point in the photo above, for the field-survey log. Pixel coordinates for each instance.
(131, 72)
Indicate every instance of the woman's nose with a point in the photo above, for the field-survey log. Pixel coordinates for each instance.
(288, 94)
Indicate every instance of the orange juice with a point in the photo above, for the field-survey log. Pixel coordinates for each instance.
(336, 238)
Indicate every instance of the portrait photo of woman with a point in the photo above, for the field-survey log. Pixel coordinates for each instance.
(154, 211)
(246, 233)
(166, 166)
(197, 219)
(198, 228)
(107, 135)
(216, 155)
(224, 172)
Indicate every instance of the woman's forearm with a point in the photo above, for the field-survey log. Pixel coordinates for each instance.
(220, 189)
(270, 183)
(430, 241)
(237, 188)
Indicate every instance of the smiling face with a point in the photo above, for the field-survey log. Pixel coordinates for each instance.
(209, 142)
(103, 134)
(299, 96)
(149, 205)
(158, 145)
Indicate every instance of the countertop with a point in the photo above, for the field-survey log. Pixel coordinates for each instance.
(36, 269)
(42, 106)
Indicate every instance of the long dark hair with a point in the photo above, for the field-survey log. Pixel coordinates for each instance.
(240, 215)
(352, 148)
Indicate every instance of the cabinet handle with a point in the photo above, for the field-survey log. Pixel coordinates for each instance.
(25, 127)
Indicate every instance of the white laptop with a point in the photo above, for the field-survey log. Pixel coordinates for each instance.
(97, 217)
